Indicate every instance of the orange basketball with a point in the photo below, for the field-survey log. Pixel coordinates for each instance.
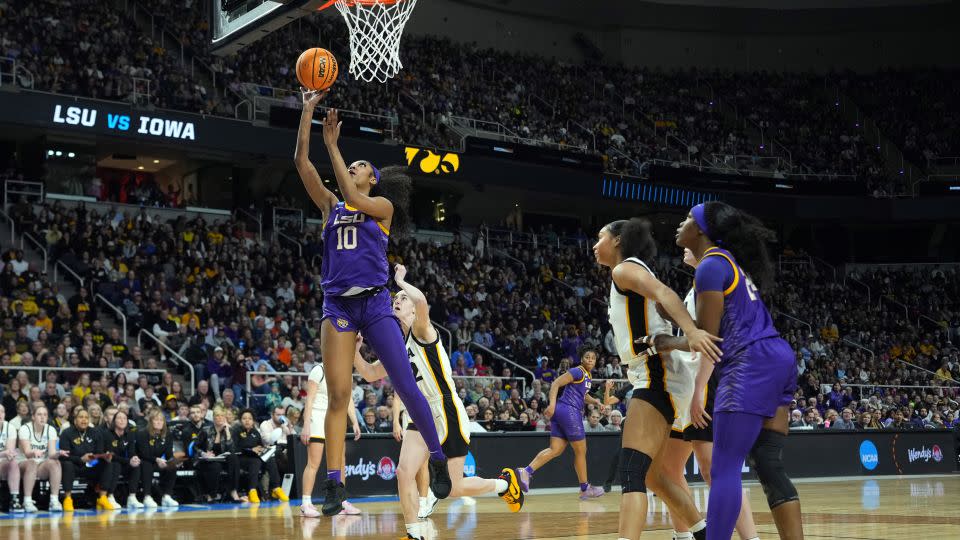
(317, 69)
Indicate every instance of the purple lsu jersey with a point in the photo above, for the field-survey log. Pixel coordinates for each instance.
(745, 317)
(354, 252)
(574, 392)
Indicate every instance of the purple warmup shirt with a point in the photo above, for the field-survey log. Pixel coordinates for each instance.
(745, 317)
(574, 392)
(354, 252)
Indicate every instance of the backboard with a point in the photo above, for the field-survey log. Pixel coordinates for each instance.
(235, 24)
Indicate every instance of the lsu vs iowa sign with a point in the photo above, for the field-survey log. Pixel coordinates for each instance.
(431, 163)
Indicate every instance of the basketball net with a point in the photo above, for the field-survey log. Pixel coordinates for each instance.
(375, 28)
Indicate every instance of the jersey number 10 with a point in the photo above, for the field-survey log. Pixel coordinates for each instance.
(347, 237)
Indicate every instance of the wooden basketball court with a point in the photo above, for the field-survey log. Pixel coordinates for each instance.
(881, 508)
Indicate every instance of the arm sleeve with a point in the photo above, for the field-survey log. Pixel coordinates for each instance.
(713, 274)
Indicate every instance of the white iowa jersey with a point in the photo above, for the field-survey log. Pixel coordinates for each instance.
(431, 369)
(632, 317)
(318, 376)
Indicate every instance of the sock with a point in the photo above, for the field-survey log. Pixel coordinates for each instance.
(502, 486)
(529, 470)
(413, 529)
(687, 535)
(27, 499)
(387, 341)
(423, 501)
(334, 475)
(698, 526)
(754, 538)
(584, 486)
(307, 500)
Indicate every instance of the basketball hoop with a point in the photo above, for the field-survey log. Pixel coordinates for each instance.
(375, 28)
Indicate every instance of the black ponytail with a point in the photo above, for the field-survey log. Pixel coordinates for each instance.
(636, 238)
(395, 185)
(744, 236)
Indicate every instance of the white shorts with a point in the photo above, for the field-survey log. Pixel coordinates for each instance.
(317, 418)
(673, 373)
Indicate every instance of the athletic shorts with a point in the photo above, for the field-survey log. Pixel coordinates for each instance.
(317, 418)
(450, 419)
(660, 400)
(567, 423)
(759, 379)
(683, 427)
(355, 314)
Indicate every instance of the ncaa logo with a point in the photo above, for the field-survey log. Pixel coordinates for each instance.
(937, 454)
(869, 457)
(386, 469)
(470, 465)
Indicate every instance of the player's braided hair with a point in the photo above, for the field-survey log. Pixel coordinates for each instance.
(395, 185)
(745, 236)
(636, 238)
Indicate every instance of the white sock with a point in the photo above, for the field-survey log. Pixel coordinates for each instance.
(27, 498)
(754, 538)
(698, 526)
(423, 501)
(687, 535)
(502, 485)
(413, 529)
(307, 500)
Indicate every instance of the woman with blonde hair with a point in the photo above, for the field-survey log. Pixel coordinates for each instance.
(215, 443)
(38, 445)
(155, 448)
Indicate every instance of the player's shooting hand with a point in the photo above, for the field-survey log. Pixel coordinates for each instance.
(705, 343)
(331, 127)
(312, 97)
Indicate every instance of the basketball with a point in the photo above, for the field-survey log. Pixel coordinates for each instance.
(317, 69)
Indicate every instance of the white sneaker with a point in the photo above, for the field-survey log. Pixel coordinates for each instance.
(168, 502)
(30, 507)
(427, 509)
(149, 502)
(133, 503)
(113, 501)
(55, 505)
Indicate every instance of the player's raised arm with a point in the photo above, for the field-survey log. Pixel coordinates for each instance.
(423, 330)
(321, 196)
(377, 207)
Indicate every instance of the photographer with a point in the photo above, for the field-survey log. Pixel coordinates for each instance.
(275, 431)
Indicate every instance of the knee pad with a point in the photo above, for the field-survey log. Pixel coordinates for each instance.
(766, 457)
(634, 465)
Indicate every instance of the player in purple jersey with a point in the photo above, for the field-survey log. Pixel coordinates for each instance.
(757, 372)
(356, 299)
(566, 424)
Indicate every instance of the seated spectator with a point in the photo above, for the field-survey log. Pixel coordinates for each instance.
(251, 447)
(154, 446)
(84, 455)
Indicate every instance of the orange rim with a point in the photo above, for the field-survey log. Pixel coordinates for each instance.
(352, 3)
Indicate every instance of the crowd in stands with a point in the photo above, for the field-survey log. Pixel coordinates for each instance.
(779, 124)
(233, 307)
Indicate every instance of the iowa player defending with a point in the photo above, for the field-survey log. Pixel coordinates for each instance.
(431, 368)
(662, 386)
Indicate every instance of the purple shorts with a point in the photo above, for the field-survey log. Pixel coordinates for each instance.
(349, 314)
(567, 423)
(761, 379)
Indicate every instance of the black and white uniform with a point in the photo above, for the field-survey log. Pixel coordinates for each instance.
(664, 380)
(318, 414)
(38, 440)
(431, 369)
(683, 427)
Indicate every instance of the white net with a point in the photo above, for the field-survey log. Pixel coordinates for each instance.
(375, 27)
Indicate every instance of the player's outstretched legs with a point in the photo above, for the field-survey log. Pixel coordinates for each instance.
(386, 339)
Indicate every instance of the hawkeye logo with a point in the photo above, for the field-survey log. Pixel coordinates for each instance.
(431, 163)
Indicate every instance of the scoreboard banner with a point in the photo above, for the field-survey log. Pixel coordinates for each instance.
(372, 462)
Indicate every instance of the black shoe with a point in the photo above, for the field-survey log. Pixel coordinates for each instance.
(700, 535)
(440, 482)
(15, 506)
(333, 496)
(607, 487)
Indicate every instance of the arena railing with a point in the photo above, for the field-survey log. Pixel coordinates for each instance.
(38, 246)
(115, 309)
(60, 264)
(502, 358)
(13, 225)
(949, 392)
(486, 380)
(42, 370)
(173, 354)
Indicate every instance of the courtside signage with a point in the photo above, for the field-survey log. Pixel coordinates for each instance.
(141, 124)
